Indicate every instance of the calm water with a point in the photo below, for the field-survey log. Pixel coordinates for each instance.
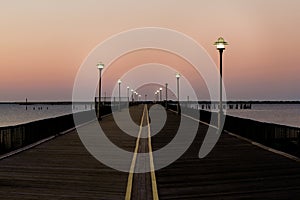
(13, 114)
(285, 114)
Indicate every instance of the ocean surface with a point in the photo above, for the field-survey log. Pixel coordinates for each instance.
(13, 114)
(284, 114)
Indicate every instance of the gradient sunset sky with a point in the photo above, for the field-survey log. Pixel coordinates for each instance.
(44, 42)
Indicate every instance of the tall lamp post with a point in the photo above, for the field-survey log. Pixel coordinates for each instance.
(128, 93)
(119, 82)
(178, 108)
(220, 44)
(100, 66)
(166, 95)
(160, 93)
(132, 95)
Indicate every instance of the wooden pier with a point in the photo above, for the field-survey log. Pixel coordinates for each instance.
(63, 169)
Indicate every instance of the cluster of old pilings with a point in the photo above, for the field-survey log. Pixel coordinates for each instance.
(215, 106)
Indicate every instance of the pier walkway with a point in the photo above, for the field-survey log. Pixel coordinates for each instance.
(62, 168)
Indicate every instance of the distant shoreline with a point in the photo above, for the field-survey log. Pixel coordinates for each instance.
(200, 102)
(45, 103)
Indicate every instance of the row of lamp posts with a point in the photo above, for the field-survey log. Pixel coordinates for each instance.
(220, 44)
(158, 93)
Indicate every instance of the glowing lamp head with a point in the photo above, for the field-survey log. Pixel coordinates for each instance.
(178, 75)
(100, 65)
(221, 43)
(119, 81)
(160, 89)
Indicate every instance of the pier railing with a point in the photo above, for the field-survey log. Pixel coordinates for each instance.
(14, 137)
(281, 137)
(109, 104)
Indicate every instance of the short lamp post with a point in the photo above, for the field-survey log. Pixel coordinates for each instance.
(128, 88)
(119, 82)
(136, 95)
(132, 94)
(160, 93)
(178, 107)
(100, 66)
(220, 44)
(166, 95)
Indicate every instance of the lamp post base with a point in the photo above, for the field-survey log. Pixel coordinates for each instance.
(98, 112)
(221, 119)
(178, 109)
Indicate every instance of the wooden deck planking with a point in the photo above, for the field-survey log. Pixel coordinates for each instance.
(234, 169)
(63, 169)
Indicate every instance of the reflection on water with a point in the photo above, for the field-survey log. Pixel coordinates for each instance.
(12, 114)
(285, 114)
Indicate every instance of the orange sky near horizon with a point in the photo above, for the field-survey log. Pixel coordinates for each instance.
(44, 42)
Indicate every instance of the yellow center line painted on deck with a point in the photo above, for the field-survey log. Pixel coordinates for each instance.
(132, 167)
(153, 177)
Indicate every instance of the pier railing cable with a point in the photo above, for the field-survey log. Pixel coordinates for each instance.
(280, 137)
(18, 136)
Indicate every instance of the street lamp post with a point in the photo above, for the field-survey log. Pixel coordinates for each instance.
(178, 108)
(132, 94)
(220, 44)
(166, 95)
(160, 93)
(100, 66)
(128, 93)
(119, 82)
